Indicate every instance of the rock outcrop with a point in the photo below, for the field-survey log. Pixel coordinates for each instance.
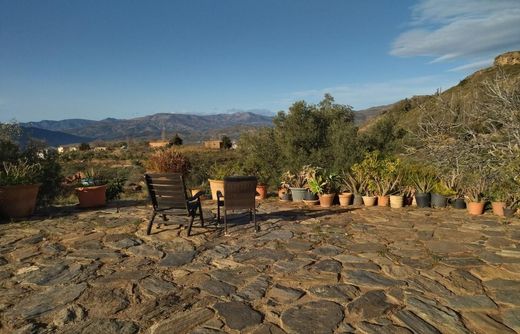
(508, 58)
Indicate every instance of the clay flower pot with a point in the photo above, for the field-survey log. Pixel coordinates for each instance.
(18, 200)
(369, 200)
(261, 190)
(396, 201)
(344, 199)
(498, 208)
(383, 200)
(326, 200)
(216, 185)
(476, 208)
(92, 197)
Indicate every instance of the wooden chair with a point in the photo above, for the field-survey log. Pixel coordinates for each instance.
(169, 197)
(240, 192)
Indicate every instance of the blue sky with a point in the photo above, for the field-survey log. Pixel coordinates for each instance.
(123, 59)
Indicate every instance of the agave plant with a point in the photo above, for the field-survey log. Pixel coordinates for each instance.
(353, 182)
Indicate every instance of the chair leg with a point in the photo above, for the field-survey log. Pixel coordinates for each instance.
(257, 228)
(149, 229)
(218, 214)
(191, 223)
(225, 223)
(201, 215)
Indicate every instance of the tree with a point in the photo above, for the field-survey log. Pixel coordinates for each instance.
(316, 134)
(176, 140)
(226, 142)
(259, 156)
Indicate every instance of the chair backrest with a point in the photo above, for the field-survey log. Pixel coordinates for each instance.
(240, 192)
(167, 190)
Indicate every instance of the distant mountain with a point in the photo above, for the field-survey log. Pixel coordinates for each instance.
(64, 125)
(191, 128)
(52, 138)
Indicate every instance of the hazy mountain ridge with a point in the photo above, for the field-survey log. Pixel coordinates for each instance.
(189, 126)
(52, 138)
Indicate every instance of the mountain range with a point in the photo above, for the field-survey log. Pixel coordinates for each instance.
(192, 128)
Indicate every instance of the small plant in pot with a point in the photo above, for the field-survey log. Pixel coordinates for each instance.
(440, 195)
(356, 184)
(18, 188)
(218, 172)
(325, 185)
(297, 182)
(386, 180)
(91, 190)
(476, 187)
(423, 179)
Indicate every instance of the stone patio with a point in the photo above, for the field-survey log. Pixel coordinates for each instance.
(355, 270)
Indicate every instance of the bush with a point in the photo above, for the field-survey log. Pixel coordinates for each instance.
(168, 161)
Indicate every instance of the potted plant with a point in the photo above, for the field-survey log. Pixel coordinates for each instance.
(345, 195)
(385, 180)
(424, 179)
(476, 186)
(325, 185)
(18, 188)
(261, 188)
(440, 195)
(297, 182)
(356, 183)
(216, 182)
(91, 190)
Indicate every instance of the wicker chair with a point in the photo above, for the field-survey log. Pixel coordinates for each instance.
(240, 192)
(169, 197)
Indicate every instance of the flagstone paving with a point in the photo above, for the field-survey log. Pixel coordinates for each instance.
(354, 270)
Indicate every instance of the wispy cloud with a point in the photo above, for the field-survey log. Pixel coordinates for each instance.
(473, 30)
(366, 95)
(474, 65)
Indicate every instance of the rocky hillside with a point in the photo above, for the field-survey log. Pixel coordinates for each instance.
(406, 113)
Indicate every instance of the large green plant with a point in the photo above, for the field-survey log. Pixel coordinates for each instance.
(311, 134)
(323, 182)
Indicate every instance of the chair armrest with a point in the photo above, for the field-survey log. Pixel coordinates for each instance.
(196, 196)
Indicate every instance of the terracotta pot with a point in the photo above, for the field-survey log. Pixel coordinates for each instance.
(310, 202)
(475, 208)
(326, 200)
(195, 191)
(216, 185)
(369, 200)
(396, 201)
(261, 190)
(282, 192)
(498, 208)
(18, 200)
(344, 199)
(91, 197)
(383, 200)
